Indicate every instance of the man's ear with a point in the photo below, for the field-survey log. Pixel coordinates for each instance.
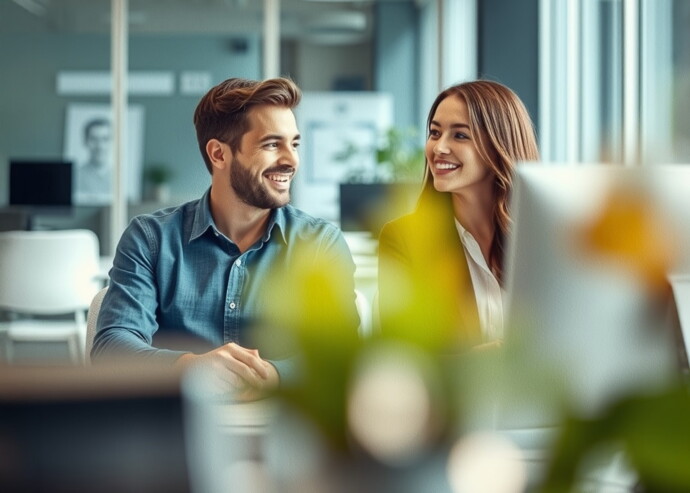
(219, 153)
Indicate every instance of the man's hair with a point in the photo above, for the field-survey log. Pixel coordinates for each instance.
(96, 122)
(222, 112)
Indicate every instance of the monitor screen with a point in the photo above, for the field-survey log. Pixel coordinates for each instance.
(580, 302)
(368, 206)
(85, 429)
(40, 182)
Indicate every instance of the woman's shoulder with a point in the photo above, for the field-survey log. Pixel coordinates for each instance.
(400, 225)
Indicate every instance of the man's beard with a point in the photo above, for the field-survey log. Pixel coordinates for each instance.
(251, 192)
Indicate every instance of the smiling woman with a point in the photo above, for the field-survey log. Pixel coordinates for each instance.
(442, 266)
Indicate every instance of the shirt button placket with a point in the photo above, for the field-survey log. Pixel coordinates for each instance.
(235, 288)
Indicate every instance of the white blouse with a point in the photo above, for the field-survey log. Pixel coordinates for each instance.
(487, 290)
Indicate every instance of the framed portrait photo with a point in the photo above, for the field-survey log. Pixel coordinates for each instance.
(89, 145)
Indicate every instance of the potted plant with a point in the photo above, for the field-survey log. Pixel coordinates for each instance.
(371, 197)
(158, 176)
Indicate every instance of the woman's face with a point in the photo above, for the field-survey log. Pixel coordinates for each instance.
(451, 151)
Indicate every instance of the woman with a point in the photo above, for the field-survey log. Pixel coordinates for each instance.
(441, 267)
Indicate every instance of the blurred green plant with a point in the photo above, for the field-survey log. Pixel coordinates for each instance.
(652, 430)
(158, 173)
(399, 158)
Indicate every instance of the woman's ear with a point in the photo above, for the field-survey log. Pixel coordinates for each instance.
(219, 153)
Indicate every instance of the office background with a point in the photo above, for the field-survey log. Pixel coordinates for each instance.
(387, 55)
(604, 80)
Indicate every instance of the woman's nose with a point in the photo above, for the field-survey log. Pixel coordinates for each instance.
(440, 147)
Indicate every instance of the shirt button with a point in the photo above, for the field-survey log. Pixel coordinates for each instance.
(238, 263)
(232, 305)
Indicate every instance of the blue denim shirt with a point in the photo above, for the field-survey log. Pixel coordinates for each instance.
(179, 285)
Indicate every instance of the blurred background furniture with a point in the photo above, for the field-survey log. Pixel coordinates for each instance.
(14, 219)
(91, 320)
(47, 281)
(364, 311)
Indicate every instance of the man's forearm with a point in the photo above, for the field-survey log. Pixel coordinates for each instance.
(121, 343)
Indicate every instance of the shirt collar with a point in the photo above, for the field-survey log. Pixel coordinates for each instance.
(472, 247)
(278, 220)
(202, 217)
(203, 220)
(464, 234)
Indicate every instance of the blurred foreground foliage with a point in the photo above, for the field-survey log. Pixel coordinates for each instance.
(653, 431)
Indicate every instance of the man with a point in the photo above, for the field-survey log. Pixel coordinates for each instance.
(93, 178)
(231, 265)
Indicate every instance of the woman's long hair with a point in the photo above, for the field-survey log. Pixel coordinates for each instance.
(504, 135)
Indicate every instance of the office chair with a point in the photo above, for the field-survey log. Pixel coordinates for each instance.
(364, 311)
(91, 320)
(44, 277)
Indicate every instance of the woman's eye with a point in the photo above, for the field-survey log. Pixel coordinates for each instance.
(461, 136)
(434, 133)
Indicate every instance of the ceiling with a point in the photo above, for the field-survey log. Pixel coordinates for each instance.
(316, 20)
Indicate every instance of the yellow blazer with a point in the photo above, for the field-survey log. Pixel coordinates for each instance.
(425, 289)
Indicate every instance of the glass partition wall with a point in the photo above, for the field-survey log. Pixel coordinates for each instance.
(59, 66)
(55, 100)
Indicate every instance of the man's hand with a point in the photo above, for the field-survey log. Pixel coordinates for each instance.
(236, 369)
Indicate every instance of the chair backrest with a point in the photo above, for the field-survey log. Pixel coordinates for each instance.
(48, 272)
(364, 311)
(375, 315)
(91, 320)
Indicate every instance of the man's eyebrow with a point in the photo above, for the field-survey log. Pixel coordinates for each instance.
(278, 137)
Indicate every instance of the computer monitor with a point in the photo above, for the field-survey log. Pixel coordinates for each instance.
(85, 429)
(368, 206)
(40, 182)
(578, 316)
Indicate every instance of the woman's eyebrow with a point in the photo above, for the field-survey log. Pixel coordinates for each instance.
(454, 125)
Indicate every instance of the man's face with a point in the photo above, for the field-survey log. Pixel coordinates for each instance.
(98, 144)
(263, 166)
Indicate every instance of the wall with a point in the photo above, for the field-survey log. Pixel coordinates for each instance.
(396, 60)
(32, 114)
(509, 47)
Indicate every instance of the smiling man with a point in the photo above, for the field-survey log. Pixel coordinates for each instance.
(197, 283)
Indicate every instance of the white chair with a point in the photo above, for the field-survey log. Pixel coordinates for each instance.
(46, 274)
(91, 320)
(364, 311)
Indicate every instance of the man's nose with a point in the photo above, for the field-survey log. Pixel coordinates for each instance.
(290, 156)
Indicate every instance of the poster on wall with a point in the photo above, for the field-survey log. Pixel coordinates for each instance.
(88, 144)
(330, 142)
